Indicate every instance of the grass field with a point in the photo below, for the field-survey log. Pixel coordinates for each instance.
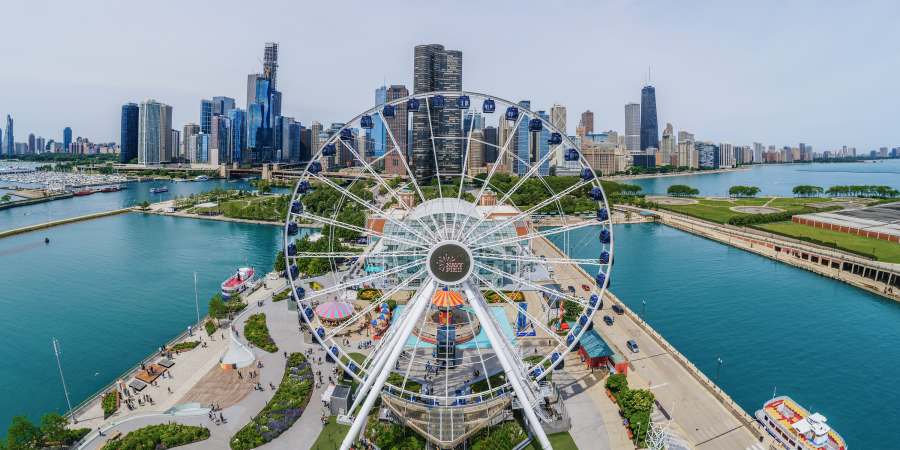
(331, 436)
(719, 212)
(884, 251)
(559, 441)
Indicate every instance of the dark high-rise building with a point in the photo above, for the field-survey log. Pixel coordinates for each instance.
(9, 145)
(67, 138)
(305, 143)
(129, 139)
(649, 126)
(492, 145)
(437, 69)
(219, 138)
(221, 105)
(31, 143)
(206, 115)
(237, 142)
(587, 119)
(396, 130)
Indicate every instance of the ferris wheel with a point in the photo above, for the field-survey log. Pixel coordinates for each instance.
(428, 284)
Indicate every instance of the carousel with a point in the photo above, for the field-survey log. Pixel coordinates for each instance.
(447, 309)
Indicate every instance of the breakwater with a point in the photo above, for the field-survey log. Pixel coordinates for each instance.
(62, 222)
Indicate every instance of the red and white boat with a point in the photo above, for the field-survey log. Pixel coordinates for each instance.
(238, 282)
(796, 428)
(84, 192)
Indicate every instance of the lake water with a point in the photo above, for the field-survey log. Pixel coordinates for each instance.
(780, 179)
(136, 193)
(829, 346)
(111, 290)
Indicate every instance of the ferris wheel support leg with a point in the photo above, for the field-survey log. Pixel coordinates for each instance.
(376, 367)
(483, 316)
(418, 308)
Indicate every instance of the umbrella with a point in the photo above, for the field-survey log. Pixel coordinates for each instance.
(384, 305)
(381, 317)
(385, 310)
(375, 322)
(446, 298)
(334, 310)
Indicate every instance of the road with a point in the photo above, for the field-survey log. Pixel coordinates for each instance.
(698, 414)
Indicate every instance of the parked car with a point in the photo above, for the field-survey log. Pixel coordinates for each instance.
(585, 287)
(608, 320)
(618, 309)
(572, 289)
(632, 346)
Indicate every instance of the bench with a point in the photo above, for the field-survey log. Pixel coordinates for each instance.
(115, 436)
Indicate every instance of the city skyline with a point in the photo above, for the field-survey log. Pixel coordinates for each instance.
(774, 100)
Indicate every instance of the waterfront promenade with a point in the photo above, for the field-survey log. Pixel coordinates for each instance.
(620, 178)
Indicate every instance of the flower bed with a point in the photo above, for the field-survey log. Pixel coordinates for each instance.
(283, 410)
(636, 404)
(397, 380)
(282, 296)
(496, 297)
(497, 379)
(256, 331)
(392, 436)
(505, 436)
(160, 437)
(110, 403)
(182, 346)
(210, 327)
(315, 286)
(370, 294)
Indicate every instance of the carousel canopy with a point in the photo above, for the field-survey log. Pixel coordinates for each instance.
(334, 310)
(446, 298)
(385, 310)
(381, 317)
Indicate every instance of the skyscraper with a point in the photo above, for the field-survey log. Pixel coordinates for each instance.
(491, 149)
(314, 129)
(39, 145)
(757, 152)
(558, 117)
(726, 156)
(587, 120)
(436, 69)
(540, 146)
(168, 146)
(219, 137)
(263, 105)
(175, 138)
(221, 105)
(378, 134)
(396, 133)
(151, 139)
(472, 121)
(129, 141)
(684, 136)
(31, 143)
(649, 126)
(237, 141)
(67, 137)
(521, 146)
(474, 157)
(206, 114)
(633, 128)
(190, 130)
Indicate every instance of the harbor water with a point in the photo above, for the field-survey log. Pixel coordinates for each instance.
(112, 291)
(778, 329)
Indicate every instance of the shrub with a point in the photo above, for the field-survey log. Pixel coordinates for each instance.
(159, 436)
(391, 304)
(282, 296)
(617, 383)
(368, 294)
(256, 331)
(283, 410)
(210, 327)
(109, 403)
(186, 345)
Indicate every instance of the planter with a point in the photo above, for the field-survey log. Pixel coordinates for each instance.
(613, 398)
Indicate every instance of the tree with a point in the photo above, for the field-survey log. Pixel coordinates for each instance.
(219, 307)
(54, 428)
(5, 198)
(144, 204)
(279, 263)
(743, 191)
(22, 435)
(264, 186)
(804, 190)
(681, 190)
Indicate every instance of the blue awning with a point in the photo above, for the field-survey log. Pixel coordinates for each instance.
(592, 343)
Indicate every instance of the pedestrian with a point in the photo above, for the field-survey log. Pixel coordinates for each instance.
(100, 431)
(170, 390)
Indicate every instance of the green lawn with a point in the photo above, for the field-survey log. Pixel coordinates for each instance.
(559, 441)
(358, 358)
(337, 432)
(884, 251)
(718, 214)
(789, 202)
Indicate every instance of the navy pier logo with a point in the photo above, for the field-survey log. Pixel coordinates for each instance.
(450, 263)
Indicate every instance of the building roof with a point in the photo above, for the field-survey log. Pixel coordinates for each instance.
(593, 344)
(879, 219)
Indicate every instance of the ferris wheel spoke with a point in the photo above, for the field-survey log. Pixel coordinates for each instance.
(346, 226)
(535, 235)
(534, 259)
(375, 210)
(534, 286)
(345, 285)
(531, 210)
(403, 159)
(388, 188)
(494, 167)
(348, 255)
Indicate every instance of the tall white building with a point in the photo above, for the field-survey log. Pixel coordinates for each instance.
(726, 155)
(757, 152)
(633, 128)
(152, 133)
(558, 119)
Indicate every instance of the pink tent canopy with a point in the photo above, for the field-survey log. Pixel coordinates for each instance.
(334, 310)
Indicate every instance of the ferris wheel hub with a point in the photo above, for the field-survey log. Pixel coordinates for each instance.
(450, 262)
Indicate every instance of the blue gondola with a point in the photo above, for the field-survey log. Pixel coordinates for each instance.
(593, 300)
(346, 134)
(489, 106)
(586, 174)
(601, 278)
(584, 322)
(388, 112)
(308, 313)
(596, 194)
(292, 229)
(291, 250)
(366, 122)
(296, 207)
(302, 187)
(555, 357)
(535, 125)
(555, 139)
(605, 237)
(572, 155)
(299, 294)
(602, 215)
(320, 332)
(437, 102)
(570, 339)
(315, 167)
(328, 358)
(328, 150)
(538, 371)
(463, 102)
(512, 113)
(604, 257)
(412, 105)
(293, 271)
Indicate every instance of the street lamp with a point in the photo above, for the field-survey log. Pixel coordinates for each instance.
(717, 372)
(643, 308)
(56, 350)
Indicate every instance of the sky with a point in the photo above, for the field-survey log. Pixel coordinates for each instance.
(775, 72)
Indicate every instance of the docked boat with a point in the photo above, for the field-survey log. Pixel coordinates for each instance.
(232, 181)
(238, 282)
(84, 192)
(795, 428)
(178, 179)
(159, 190)
(115, 188)
(201, 178)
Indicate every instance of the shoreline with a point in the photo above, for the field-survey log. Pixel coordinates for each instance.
(618, 178)
(55, 223)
